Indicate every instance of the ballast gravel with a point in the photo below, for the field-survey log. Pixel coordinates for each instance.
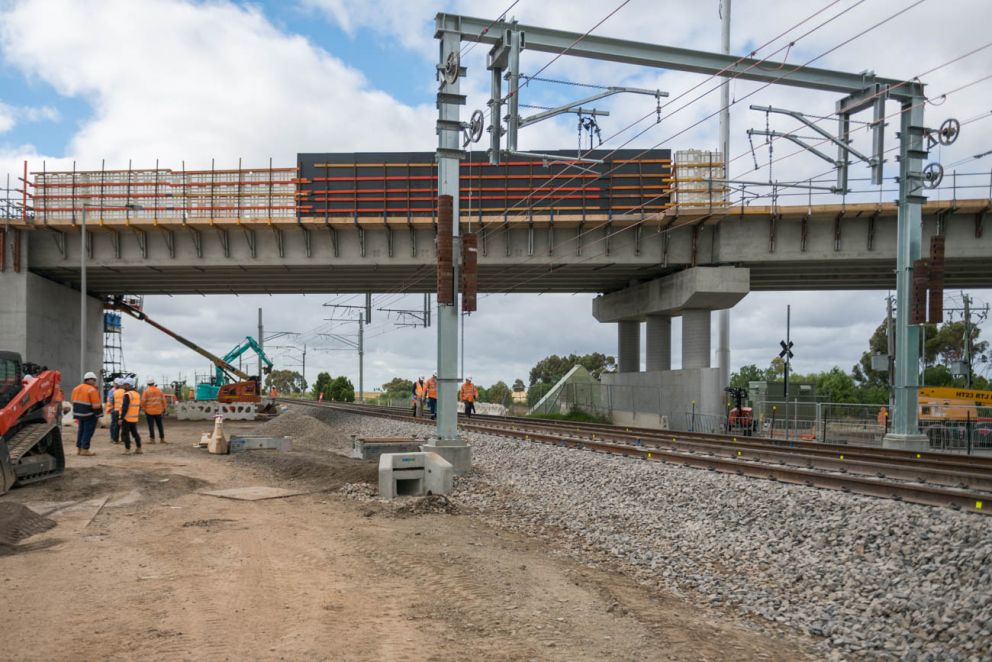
(868, 578)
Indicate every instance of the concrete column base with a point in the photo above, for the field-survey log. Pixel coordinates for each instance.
(906, 442)
(460, 455)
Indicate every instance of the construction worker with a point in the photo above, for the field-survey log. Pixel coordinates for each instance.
(115, 432)
(130, 409)
(86, 409)
(417, 395)
(115, 428)
(153, 404)
(467, 394)
(883, 419)
(431, 388)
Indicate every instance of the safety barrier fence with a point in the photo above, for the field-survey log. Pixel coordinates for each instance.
(843, 423)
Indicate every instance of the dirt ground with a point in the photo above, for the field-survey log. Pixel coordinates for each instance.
(142, 565)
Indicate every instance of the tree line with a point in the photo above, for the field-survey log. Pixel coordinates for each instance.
(943, 345)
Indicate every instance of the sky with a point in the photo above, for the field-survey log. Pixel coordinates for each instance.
(178, 80)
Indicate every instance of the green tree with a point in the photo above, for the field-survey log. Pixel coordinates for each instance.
(747, 374)
(341, 390)
(835, 385)
(286, 381)
(498, 393)
(549, 370)
(776, 370)
(322, 385)
(519, 386)
(397, 389)
(536, 392)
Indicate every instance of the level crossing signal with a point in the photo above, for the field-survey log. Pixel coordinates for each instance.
(786, 349)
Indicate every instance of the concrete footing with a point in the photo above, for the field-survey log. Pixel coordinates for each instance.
(459, 455)
(906, 442)
(414, 474)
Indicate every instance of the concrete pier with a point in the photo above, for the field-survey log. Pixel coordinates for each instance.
(628, 346)
(695, 338)
(659, 343)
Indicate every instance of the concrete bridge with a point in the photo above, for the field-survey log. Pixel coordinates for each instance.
(785, 248)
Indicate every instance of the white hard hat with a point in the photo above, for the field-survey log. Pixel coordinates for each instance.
(118, 382)
(129, 382)
(469, 378)
(151, 382)
(89, 375)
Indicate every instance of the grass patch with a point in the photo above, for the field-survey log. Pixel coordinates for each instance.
(576, 416)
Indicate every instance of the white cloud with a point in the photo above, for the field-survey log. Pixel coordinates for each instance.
(7, 120)
(183, 80)
(12, 115)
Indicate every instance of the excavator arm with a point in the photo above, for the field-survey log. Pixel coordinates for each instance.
(220, 363)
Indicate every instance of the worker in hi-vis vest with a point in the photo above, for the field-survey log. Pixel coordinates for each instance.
(130, 409)
(467, 394)
(153, 404)
(86, 409)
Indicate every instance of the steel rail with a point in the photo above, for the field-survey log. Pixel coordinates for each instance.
(756, 465)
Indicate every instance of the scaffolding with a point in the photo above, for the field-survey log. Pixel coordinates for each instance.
(113, 346)
(160, 194)
(699, 180)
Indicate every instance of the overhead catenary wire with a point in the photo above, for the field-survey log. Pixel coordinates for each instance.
(631, 212)
(765, 85)
(686, 105)
(917, 77)
(418, 279)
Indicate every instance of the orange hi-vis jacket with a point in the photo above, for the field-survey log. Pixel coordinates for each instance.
(118, 400)
(130, 406)
(468, 392)
(86, 401)
(153, 401)
(432, 388)
(419, 389)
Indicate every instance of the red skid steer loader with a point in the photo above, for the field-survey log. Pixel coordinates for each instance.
(30, 422)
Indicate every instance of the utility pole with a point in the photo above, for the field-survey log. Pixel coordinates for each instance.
(890, 346)
(723, 316)
(967, 338)
(361, 357)
(261, 341)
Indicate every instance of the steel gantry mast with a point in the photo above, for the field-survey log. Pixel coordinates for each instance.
(863, 90)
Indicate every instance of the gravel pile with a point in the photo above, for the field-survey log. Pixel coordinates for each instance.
(873, 578)
(307, 432)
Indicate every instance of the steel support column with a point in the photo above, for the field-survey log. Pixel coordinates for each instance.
(448, 158)
(905, 423)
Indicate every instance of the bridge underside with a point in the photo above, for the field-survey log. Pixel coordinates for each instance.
(569, 278)
(831, 247)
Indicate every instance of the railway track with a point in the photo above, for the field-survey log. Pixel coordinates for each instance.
(936, 479)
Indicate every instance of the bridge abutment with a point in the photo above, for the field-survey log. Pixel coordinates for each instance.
(40, 319)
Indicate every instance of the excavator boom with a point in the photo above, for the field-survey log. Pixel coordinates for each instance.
(220, 363)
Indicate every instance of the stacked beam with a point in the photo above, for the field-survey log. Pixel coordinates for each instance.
(403, 185)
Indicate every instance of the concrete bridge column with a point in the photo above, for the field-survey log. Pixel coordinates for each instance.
(628, 346)
(695, 338)
(659, 343)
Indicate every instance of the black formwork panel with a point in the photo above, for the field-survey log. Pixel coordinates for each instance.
(399, 184)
